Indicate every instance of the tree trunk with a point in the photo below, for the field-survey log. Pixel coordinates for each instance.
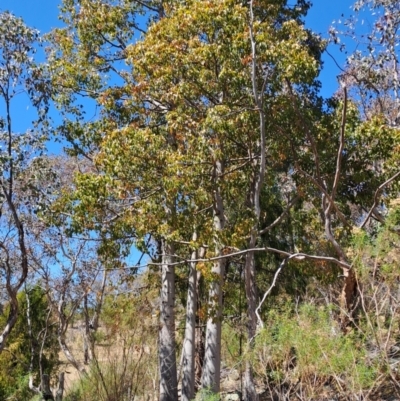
(250, 393)
(212, 356)
(11, 320)
(167, 346)
(188, 345)
(348, 295)
(199, 340)
(254, 195)
(60, 390)
(188, 379)
(86, 332)
(45, 388)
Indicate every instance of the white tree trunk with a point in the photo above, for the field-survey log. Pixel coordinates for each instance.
(188, 376)
(167, 346)
(250, 393)
(188, 345)
(212, 357)
(199, 342)
(254, 203)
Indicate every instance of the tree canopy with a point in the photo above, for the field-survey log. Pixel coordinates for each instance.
(265, 216)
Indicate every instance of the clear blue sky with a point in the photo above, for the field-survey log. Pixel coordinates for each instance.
(40, 14)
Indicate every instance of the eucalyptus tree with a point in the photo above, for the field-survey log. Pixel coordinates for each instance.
(361, 132)
(371, 71)
(20, 78)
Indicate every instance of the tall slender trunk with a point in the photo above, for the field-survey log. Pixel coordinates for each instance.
(86, 332)
(167, 345)
(188, 379)
(250, 393)
(200, 338)
(212, 357)
(254, 201)
(188, 345)
(92, 324)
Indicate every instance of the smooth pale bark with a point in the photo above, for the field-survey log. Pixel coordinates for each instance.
(167, 345)
(250, 393)
(188, 344)
(199, 341)
(11, 320)
(254, 202)
(188, 372)
(212, 356)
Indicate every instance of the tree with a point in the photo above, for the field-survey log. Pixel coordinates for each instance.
(18, 74)
(190, 112)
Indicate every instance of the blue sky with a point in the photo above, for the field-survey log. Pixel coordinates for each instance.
(40, 14)
(43, 14)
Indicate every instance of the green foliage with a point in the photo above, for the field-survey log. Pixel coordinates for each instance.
(207, 395)
(307, 345)
(16, 358)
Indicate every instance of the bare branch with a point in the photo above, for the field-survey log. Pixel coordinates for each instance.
(259, 320)
(298, 256)
(341, 148)
(325, 192)
(378, 192)
(281, 217)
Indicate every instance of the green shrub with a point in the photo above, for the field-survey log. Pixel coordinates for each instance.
(308, 346)
(207, 395)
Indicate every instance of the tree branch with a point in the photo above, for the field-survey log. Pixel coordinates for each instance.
(281, 217)
(377, 195)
